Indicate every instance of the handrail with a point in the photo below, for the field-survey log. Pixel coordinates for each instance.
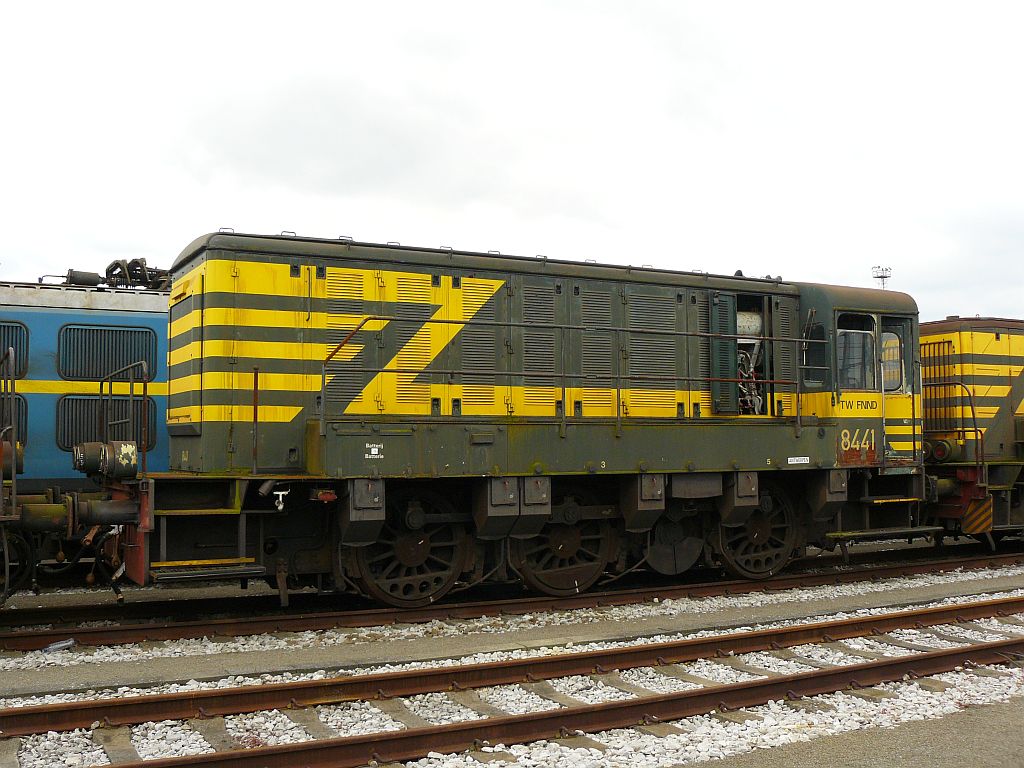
(107, 399)
(9, 423)
(614, 333)
(979, 435)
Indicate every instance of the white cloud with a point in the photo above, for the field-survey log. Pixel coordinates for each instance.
(804, 139)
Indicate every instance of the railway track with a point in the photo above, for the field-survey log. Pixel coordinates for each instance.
(23, 637)
(641, 708)
(176, 606)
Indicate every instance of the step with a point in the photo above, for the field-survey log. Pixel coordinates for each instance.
(167, 575)
(884, 533)
(897, 499)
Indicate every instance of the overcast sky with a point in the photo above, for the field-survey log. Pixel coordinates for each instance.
(812, 140)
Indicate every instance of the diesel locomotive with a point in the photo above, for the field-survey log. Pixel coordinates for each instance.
(974, 423)
(401, 422)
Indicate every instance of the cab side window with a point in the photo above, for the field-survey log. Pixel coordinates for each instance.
(892, 361)
(855, 352)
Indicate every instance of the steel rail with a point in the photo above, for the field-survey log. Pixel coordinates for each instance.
(235, 626)
(968, 555)
(410, 744)
(215, 702)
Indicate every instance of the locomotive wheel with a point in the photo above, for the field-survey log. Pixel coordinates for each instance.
(15, 562)
(762, 545)
(414, 562)
(564, 559)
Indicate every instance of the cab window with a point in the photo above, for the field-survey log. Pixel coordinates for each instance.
(892, 361)
(855, 352)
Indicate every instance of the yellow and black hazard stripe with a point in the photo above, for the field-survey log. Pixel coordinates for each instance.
(978, 518)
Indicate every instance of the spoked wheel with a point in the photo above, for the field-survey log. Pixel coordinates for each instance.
(762, 545)
(414, 562)
(564, 559)
(15, 562)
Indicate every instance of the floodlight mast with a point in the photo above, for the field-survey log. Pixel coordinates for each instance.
(881, 274)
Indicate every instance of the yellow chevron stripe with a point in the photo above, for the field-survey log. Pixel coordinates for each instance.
(242, 380)
(270, 318)
(44, 387)
(253, 350)
(978, 518)
(277, 414)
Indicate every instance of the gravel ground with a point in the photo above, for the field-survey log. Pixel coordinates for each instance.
(356, 718)
(588, 690)
(719, 673)
(653, 680)
(787, 726)
(516, 700)
(484, 625)
(264, 729)
(437, 708)
(816, 652)
(167, 738)
(706, 737)
(870, 645)
(72, 748)
(775, 664)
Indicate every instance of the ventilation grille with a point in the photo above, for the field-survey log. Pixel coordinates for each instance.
(785, 351)
(91, 353)
(477, 343)
(78, 420)
(415, 354)
(347, 372)
(539, 346)
(941, 396)
(15, 335)
(652, 350)
(21, 409)
(724, 394)
(597, 349)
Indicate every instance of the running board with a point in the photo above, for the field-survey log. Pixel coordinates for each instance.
(884, 533)
(169, 575)
(876, 500)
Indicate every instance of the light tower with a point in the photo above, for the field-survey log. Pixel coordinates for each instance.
(881, 274)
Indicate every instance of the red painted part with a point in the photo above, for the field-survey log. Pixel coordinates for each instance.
(136, 560)
(136, 543)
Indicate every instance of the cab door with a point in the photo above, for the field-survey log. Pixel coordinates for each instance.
(858, 385)
(901, 405)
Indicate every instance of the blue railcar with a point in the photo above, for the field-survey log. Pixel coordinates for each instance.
(67, 338)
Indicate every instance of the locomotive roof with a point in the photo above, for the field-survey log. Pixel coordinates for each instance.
(955, 323)
(289, 246)
(82, 297)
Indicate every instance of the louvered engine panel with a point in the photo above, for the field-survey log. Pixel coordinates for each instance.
(20, 413)
(478, 348)
(785, 321)
(15, 336)
(703, 343)
(91, 353)
(652, 358)
(724, 394)
(80, 419)
(411, 386)
(597, 349)
(540, 391)
(347, 373)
